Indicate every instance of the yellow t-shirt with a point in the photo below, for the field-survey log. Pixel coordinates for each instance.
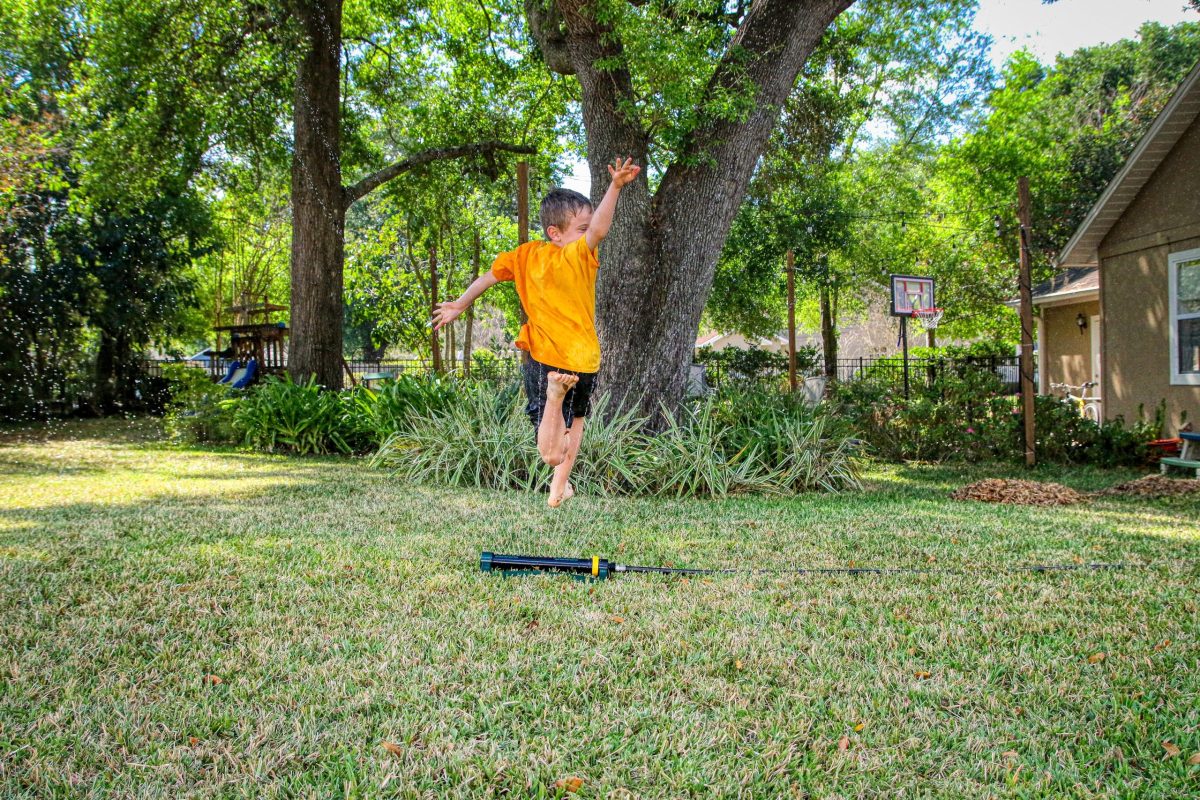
(557, 286)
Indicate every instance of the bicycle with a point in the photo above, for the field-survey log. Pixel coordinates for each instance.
(1088, 407)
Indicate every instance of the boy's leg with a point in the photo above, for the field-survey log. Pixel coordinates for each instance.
(560, 484)
(551, 440)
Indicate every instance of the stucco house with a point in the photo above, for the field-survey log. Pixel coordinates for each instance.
(1125, 306)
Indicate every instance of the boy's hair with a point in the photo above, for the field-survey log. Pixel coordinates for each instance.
(559, 206)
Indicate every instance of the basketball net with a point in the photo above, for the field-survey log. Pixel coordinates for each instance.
(928, 317)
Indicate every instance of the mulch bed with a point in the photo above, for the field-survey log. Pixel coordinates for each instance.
(1033, 493)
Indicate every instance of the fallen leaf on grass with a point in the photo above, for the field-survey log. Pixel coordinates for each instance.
(859, 727)
(617, 620)
(737, 664)
(1171, 748)
(1194, 760)
(1162, 645)
(923, 675)
(213, 680)
(394, 749)
(1010, 754)
(533, 623)
(572, 784)
(193, 741)
(1096, 658)
(843, 744)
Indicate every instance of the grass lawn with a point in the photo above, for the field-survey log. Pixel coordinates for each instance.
(189, 623)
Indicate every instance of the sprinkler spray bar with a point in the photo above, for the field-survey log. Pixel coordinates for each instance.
(601, 568)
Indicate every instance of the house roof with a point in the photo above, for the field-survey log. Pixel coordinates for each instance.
(1181, 110)
(709, 338)
(1072, 285)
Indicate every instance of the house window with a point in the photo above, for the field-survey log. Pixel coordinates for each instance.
(1184, 272)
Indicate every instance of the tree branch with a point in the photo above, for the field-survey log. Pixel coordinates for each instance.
(352, 193)
(765, 56)
(546, 28)
(609, 101)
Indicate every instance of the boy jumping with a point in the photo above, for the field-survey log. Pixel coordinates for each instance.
(556, 282)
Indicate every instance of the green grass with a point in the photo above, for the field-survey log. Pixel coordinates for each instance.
(342, 609)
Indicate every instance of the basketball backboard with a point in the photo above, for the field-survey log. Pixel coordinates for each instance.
(909, 288)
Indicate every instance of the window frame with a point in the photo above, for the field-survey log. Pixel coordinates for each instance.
(1178, 377)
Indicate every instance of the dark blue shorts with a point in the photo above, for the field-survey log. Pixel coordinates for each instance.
(577, 403)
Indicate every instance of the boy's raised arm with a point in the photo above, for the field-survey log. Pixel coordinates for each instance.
(622, 172)
(449, 311)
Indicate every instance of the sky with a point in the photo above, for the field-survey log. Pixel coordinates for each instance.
(1046, 30)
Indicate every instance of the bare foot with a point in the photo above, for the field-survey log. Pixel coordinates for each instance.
(557, 384)
(555, 502)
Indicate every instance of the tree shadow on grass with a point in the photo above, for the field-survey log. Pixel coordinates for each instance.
(111, 430)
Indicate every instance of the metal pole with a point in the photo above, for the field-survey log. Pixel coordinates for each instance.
(1026, 285)
(904, 346)
(791, 290)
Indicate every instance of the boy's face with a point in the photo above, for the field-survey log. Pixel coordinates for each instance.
(576, 227)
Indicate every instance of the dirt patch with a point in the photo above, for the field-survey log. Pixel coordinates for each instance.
(1154, 486)
(1018, 492)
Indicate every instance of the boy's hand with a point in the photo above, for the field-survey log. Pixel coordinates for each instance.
(623, 173)
(446, 313)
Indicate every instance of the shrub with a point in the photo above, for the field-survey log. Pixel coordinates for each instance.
(486, 365)
(375, 414)
(474, 443)
(199, 410)
(754, 365)
(298, 417)
(1066, 437)
(964, 415)
(708, 449)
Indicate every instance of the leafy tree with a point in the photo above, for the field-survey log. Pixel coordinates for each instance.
(80, 275)
(693, 90)
(372, 89)
(890, 78)
(1068, 127)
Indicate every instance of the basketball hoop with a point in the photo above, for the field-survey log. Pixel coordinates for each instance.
(928, 317)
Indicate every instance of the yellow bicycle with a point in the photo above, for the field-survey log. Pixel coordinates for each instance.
(1088, 407)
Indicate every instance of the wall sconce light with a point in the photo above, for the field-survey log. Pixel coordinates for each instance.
(1082, 322)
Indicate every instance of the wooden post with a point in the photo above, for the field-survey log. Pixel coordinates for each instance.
(522, 202)
(470, 320)
(433, 301)
(791, 289)
(523, 230)
(1026, 286)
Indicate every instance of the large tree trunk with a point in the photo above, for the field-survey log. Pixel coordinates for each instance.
(318, 207)
(658, 261)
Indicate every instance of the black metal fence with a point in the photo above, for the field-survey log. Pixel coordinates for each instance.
(921, 371)
(500, 369)
(889, 370)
